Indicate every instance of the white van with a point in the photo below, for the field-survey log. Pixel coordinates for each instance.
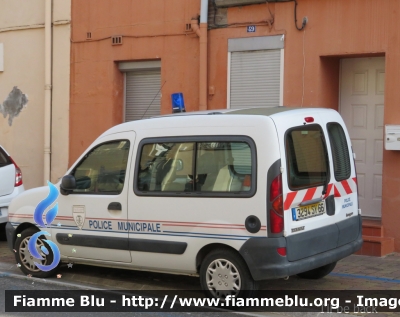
(234, 196)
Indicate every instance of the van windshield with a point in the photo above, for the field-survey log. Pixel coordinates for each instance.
(306, 154)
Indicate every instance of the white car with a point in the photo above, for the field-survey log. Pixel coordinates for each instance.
(10, 183)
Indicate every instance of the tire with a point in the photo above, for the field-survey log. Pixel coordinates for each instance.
(224, 272)
(319, 272)
(26, 260)
(3, 232)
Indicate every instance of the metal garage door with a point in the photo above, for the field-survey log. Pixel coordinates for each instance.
(142, 94)
(255, 79)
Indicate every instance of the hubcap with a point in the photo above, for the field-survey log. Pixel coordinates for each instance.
(27, 259)
(223, 278)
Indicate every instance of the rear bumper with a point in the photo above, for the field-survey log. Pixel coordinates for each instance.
(265, 263)
(6, 200)
(3, 214)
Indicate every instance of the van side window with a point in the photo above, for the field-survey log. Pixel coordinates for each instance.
(340, 151)
(166, 167)
(306, 157)
(223, 167)
(102, 170)
(195, 167)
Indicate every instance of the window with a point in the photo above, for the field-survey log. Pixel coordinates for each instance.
(166, 167)
(306, 157)
(340, 151)
(142, 89)
(102, 170)
(223, 167)
(255, 71)
(185, 168)
(4, 160)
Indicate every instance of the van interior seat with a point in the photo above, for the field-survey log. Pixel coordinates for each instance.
(209, 169)
(169, 184)
(159, 170)
(227, 181)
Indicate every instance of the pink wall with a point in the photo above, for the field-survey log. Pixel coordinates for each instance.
(155, 29)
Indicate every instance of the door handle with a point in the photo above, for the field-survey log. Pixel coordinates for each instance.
(310, 202)
(114, 206)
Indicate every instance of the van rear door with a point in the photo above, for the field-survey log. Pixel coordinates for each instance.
(318, 182)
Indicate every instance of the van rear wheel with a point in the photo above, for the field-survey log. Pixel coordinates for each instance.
(223, 272)
(319, 272)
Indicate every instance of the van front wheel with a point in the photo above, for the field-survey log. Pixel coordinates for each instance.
(223, 272)
(319, 272)
(26, 261)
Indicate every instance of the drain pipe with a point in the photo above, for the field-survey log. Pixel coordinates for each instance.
(202, 34)
(47, 90)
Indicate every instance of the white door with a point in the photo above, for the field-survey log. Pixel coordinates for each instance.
(95, 209)
(362, 90)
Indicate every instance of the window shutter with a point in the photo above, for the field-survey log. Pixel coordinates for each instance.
(143, 95)
(255, 78)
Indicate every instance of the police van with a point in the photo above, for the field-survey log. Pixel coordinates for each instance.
(233, 196)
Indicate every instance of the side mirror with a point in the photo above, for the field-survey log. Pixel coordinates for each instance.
(68, 184)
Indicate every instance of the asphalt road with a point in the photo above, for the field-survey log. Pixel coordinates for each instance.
(351, 274)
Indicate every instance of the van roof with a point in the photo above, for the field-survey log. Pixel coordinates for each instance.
(200, 116)
(258, 111)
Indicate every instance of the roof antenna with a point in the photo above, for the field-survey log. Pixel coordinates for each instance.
(153, 100)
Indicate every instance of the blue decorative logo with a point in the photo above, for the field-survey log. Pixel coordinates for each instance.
(50, 216)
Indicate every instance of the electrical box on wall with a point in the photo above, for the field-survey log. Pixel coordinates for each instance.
(392, 137)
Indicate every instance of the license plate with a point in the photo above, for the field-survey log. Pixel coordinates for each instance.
(304, 212)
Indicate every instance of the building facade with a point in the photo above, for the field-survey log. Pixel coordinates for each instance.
(128, 57)
(34, 86)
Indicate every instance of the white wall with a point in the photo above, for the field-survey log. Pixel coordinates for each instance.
(22, 34)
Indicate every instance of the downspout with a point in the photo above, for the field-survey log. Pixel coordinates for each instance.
(202, 33)
(47, 89)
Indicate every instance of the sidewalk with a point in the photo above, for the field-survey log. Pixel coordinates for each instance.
(358, 272)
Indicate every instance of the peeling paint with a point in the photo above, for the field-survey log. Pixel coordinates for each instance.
(14, 104)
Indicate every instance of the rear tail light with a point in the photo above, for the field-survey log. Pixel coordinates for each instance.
(18, 174)
(276, 220)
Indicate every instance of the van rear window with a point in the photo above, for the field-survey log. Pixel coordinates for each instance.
(340, 151)
(306, 153)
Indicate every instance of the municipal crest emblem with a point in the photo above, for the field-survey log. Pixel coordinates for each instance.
(78, 213)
